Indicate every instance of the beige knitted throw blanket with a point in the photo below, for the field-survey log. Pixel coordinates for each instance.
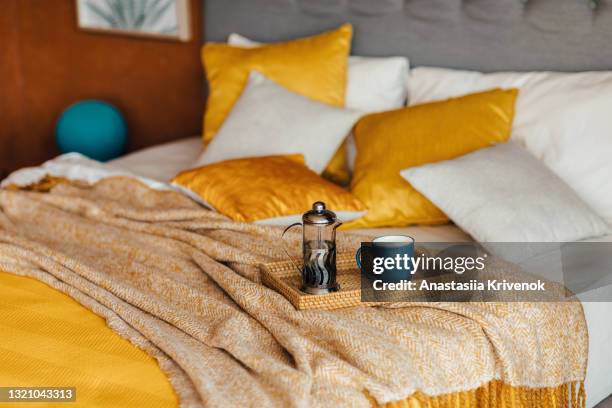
(182, 283)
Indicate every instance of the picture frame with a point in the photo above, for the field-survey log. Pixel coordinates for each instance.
(158, 19)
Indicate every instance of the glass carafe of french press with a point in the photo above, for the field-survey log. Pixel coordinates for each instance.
(318, 249)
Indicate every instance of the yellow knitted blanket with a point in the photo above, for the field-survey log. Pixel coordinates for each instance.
(183, 282)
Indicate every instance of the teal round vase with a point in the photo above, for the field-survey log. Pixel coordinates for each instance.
(93, 128)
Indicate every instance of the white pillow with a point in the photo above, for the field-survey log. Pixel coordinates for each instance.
(374, 84)
(504, 194)
(564, 119)
(268, 119)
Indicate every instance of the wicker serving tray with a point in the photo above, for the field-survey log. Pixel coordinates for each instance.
(285, 279)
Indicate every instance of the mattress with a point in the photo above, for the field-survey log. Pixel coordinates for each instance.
(159, 164)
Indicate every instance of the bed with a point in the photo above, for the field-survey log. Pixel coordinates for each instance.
(145, 165)
(507, 35)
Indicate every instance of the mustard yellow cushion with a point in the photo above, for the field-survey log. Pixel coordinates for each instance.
(315, 67)
(391, 141)
(337, 170)
(264, 188)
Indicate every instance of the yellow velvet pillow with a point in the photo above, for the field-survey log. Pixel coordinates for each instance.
(337, 169)
(315, 67)
(263, 188)
(389, 142)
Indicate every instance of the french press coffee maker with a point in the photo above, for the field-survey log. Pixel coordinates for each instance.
(318, 250)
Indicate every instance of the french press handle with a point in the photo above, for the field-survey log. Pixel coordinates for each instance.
(295, 264)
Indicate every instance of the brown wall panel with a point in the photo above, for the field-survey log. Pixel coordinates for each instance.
(157, 84)
(11, 83)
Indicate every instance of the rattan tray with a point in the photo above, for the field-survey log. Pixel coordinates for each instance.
(285, 279)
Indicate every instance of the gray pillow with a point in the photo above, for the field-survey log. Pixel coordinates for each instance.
(504, 194)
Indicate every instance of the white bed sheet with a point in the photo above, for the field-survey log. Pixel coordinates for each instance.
(159, 164)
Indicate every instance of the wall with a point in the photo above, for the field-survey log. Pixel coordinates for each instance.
(46, 64)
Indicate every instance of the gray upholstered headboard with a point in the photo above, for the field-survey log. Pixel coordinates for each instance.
(488, 35)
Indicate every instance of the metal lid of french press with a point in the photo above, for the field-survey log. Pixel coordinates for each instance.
(319, 215)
